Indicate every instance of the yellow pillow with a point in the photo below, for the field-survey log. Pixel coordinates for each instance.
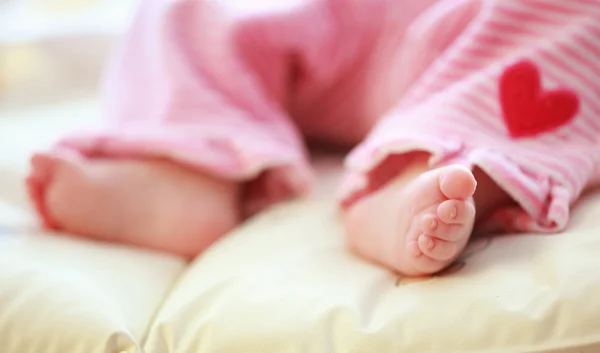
(60, 295)
(285, 283)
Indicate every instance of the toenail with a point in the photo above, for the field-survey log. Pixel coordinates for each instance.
(434, 224)
(430, 244)
(453, 213)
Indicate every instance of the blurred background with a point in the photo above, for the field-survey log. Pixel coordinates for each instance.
(53, 50)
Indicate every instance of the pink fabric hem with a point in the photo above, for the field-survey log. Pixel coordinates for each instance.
(269, 173)
(367, 173)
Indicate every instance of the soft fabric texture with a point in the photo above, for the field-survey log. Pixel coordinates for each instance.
(454, 110)
(232, 88)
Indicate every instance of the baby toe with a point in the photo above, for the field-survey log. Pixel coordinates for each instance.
(433, 226)
(436, 248)
(456, 211)
(457, 182)
(41, 166)
(413, 248)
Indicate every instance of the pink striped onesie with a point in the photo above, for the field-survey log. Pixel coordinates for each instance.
(233, 87)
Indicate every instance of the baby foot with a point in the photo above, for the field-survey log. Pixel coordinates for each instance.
(151, 204)
(417, 225)
(36, 182)
(444, 228)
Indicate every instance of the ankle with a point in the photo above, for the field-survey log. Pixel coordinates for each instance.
(417, 164)
(489, 196)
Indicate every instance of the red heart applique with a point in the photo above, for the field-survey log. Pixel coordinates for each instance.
(527, 109)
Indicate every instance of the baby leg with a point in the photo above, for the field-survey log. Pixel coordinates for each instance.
(395, 201)
(192, 143)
